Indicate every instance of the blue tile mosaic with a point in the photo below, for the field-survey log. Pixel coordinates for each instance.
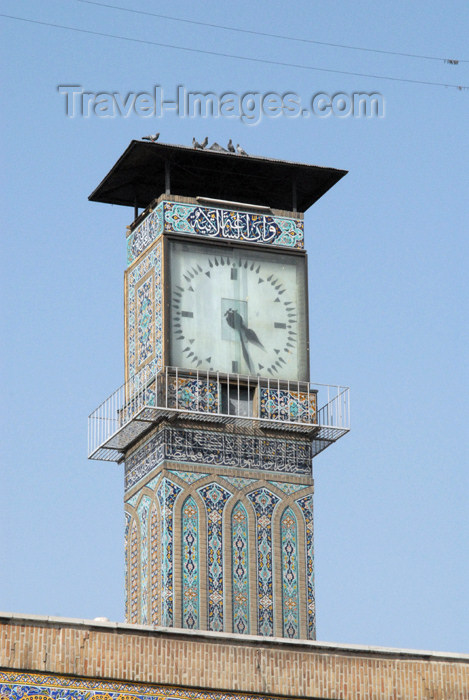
(306, 505)
(18, 685)
(215, 498)
(264, 502)
(144, 316)
(145, 233)
(212, 222)
(240, 569)
(167, 493)
(290, 586)
(190, 565)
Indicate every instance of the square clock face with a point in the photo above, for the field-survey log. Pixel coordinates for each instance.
(238, 310)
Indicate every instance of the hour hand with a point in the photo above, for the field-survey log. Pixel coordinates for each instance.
(235, 321)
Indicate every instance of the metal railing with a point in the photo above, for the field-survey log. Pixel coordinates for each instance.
(147, 398)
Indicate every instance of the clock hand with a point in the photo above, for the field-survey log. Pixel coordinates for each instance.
(235, 321)
(246, 355)
(251, 336)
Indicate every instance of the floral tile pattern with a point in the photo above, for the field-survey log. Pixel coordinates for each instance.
(240, 564)
(167, 493)
(289, 406)
(290, 588)
(190, 565)
(264, 503)
(145, 316)
(215, 498)
(193, 395)
(306, 505)
(145, 233)
(18, 685)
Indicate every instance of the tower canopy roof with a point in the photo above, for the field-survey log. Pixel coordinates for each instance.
(146, 170)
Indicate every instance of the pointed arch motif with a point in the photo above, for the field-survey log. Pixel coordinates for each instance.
(215, 498)
(290, 587)
(154, 563)
(190, 565)
(167, 493)
(264, 502)
(143, 513)
(133, 572)
(127, 573)
(306, 505)
(240, 569)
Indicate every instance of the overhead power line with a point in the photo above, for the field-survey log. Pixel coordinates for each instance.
(235, 56)
(450, 61)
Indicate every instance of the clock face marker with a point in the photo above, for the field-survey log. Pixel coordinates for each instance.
(212, 272)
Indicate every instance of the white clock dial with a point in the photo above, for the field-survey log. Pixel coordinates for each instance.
(238, 311)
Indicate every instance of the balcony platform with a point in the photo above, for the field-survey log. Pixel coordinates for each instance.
(244, 405)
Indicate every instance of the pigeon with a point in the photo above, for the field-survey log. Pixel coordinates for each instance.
(231, 148)
(196, 144)
(241, 150)
(204, 142)
(152, 137)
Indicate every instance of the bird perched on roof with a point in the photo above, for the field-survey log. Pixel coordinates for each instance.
(204, 142)
(152, 137)
(241, 150)
(231, 148)
(196, 144)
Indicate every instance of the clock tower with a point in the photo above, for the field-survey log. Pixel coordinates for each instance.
(218, 422)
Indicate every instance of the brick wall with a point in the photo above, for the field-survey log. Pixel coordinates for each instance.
(224, 662)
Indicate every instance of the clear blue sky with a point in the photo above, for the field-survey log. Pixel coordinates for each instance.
(388, 294)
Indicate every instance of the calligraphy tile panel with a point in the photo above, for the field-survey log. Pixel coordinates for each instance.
(212, 222)
(197, 446)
